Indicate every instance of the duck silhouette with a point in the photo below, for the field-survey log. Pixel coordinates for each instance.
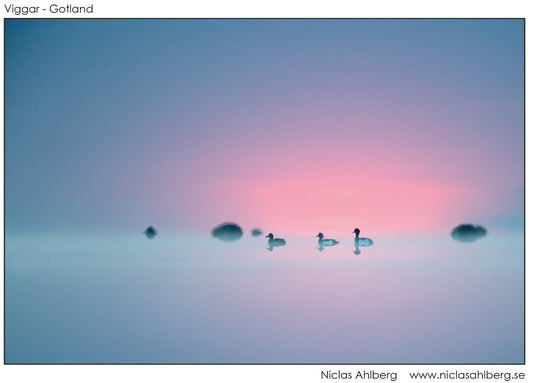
(361, 241)
(274, 242)
(325, 242)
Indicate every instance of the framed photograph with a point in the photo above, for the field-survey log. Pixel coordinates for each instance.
(264, 191)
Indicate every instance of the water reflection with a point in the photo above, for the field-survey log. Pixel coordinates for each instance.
(274, 242)
(417, 299)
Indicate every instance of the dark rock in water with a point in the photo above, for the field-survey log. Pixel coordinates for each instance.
(256, 232)
(150, 232)
(227, 232)
(468, 233)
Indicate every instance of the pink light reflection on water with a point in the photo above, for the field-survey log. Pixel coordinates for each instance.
(402, 300)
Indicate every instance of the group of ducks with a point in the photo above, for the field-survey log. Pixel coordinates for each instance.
(275, 242)
(232, 232)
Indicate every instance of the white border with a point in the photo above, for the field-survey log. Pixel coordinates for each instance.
(284, 9)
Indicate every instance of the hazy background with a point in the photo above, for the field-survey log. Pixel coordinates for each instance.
(301, 125)
(403, 128)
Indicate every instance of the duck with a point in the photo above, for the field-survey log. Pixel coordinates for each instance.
(326, 242)
(275, 241)
(362, 241)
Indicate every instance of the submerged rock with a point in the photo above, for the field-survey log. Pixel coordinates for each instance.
(256, 232)
(227, 232)
(150, 232)
(468, 233)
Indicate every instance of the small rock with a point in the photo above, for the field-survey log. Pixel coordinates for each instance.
(150, 232)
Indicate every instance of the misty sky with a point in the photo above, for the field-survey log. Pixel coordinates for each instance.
(393, 125)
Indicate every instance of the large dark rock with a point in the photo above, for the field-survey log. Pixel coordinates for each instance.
(468, 233)
(227, 232)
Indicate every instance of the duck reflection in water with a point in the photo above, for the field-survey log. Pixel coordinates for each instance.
(274, 242)
(325, 242)
(361, 242)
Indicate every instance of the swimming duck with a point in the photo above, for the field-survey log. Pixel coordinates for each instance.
(326, 242)
(362, 241)
(275, 241)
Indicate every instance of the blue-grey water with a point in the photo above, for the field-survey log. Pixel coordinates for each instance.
(90, 298)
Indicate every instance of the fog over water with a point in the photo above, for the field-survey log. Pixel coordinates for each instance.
(186, 299)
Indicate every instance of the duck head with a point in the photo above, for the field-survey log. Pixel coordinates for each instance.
(357, 231)
(320, 235)
(271, 236)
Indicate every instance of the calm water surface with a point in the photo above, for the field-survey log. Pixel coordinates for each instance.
(194, 299)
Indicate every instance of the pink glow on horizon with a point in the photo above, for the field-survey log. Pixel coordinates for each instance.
(308, 191)
(305, 169)
(379, 207)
